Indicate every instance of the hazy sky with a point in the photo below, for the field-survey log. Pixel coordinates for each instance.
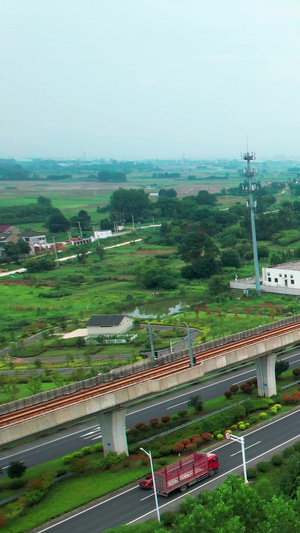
(133, 79)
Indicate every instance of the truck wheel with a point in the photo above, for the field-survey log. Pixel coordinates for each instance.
(183, 488)
(212, 473)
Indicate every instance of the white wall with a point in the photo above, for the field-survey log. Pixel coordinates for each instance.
(281, 277)
(125, 325)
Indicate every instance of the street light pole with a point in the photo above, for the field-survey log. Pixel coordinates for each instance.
(154, 484)
(241, 440)
(190, 344)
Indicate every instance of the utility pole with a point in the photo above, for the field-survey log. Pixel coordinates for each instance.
(79, 225)
(251, 187)
(151, 341)
(55, 252)
(132, 221)
(189, 344)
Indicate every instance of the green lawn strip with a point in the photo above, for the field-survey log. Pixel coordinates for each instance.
(71, 493)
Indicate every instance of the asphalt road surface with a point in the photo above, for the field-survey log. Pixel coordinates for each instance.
(134, 505)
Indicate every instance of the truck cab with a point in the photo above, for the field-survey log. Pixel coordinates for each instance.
(213, 463)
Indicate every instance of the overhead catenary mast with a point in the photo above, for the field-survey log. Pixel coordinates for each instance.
(251, 187)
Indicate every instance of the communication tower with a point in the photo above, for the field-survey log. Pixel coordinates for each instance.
(251, 203)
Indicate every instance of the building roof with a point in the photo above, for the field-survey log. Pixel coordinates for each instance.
(295, 265)
(4, 227)
(31, 233)
(105, 320)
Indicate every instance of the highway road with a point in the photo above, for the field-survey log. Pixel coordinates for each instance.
(71, 439)
(133, 505)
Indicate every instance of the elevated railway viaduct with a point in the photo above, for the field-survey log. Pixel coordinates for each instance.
(108, 395)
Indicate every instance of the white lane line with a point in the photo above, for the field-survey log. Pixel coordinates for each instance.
(86, 510)
(146, 497)
(212, 479)
(43, 444)
(240, 451)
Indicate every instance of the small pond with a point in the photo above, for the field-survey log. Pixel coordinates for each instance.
(168, 306)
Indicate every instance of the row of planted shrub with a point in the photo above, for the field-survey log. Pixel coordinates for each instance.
(276, 460)
(239, 416)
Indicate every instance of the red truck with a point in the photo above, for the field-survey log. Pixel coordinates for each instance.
(183, 473)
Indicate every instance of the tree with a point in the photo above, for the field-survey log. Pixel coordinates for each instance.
(129, 202)
(16, 469)
(58, 222)
(230, 258)
(195, 246)
(10, 386)
(168, 193)
(83, 218)
(43, 200)
(57, 378)
(35, 384)
(39, 264)
(196, 402)
(281, 366)
(217, 285)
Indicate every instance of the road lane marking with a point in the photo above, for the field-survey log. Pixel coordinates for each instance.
(146, 497)
(86, 510)
(240, 451)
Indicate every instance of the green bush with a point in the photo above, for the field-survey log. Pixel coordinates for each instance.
(234, 427)
(168, 518)
(277, 460)
(296, 446)
(287, 452)
(273, 410)
(66, 460)
(262, 415)
(162, 461)
(77, 455)
(220, 436)
(97, 447)
(253, 418)
(17, 483)
(263, 466)
(251, 473)
(182, 413)
(86, 450)
(277, 405)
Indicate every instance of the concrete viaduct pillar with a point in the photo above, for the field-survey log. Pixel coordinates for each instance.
(112, 424)
(265, 372)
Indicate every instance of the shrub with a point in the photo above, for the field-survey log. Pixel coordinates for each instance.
(253, 418)
(97, 447)
(160, 425)
(191, 446)
(251, 473)
(168, 518)
(248, 389)
(16, 469)
(165, 419)
(262, 415)
(297, 446)
(234, 427)
(296, 372)
(287, 452)
(263, 466)
(273, 411)
(164, 450)
(198, 441)
(185, 441)
(177, 447)
(138, 425)
(207, 436)
(133, 431)
(153, 422)
(86, 450)
(182, 413)
(228, 394)
(277, 405)
(17, 483)
(234, 389)
(277, 460)
(162, 461)
(195, 436)
(242, 426)
(66, 460)
(77, 455)
(144, 427)
(247, 425)
(220, 436)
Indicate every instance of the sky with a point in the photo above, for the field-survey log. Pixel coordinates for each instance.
(140, 79)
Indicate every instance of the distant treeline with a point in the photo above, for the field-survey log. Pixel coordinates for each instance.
(10, 170)
(107, 176)
(166, 175)
(59, 177)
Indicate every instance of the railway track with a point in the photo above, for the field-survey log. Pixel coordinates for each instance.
(153, 373)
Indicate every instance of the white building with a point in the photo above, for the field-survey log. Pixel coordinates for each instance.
(284, 275)
(108, 325)
(102, 234)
